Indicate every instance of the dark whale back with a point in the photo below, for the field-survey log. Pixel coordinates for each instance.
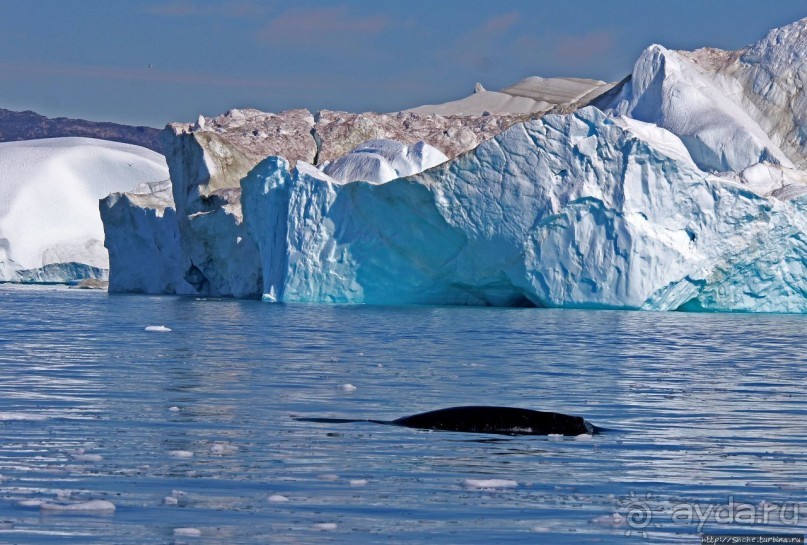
(501, 420)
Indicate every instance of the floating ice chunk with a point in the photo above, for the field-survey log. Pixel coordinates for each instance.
(347, 387)
(187, 532)
(490, 483)
(180, 453)
(614, 519)
(358, 482)
(64, 495)
(278, 498)
(158, 329)
(30, 503)
(222, 448)
(88, 457)
(92, 506)
(325, 526)
(9, 416)
(170, 500)
(583, 437)
(174, 409)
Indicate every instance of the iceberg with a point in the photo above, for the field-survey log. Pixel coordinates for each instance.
(683, 187)
(50, 230)
(142, 237)
(574, 211)
(731, 109)
(189, 238)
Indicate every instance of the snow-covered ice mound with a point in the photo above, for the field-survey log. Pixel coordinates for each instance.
(531, 95)
(384, 160)
(50, 227)
(731, 109)
(576, 210)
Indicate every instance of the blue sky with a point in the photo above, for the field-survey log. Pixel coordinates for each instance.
(151, 62)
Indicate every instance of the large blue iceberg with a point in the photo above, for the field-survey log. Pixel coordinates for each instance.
(682, 187)
(577, 210)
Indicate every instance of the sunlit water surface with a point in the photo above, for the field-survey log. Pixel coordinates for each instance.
(193, 431)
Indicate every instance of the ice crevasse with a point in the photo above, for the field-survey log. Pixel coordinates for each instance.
(578, 211)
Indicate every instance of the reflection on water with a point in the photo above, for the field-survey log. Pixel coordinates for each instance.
(198, 427)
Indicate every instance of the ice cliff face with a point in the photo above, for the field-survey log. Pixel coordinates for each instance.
(143, 241)
(568, 211)
(50, 230)
(731, 109)
(214, 253)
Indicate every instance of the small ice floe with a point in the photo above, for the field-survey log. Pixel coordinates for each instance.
(347, 387)
(177, 497)
(180, 454)
(21, 416)
(92, 506)
(583, 437)
(488, 484)
(88, 457)
(158, 329)
(325, 526)
(30, 503)
(174, 409)
(278, 498)
(187, 532)
(64, 495)
(358, 482)
(614, 519)
(220, 448)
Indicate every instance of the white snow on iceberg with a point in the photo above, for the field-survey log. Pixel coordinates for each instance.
(383, 160)
(50, 228)
(731, 109)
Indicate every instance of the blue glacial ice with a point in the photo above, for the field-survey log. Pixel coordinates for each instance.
(579, 210)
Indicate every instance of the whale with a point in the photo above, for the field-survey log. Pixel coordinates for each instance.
(486, 419)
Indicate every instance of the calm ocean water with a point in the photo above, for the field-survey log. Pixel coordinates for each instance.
(193, 430)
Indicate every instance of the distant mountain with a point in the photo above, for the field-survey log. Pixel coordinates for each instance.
(28, 125)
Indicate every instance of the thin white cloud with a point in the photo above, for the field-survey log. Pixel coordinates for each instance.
(330, 27)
